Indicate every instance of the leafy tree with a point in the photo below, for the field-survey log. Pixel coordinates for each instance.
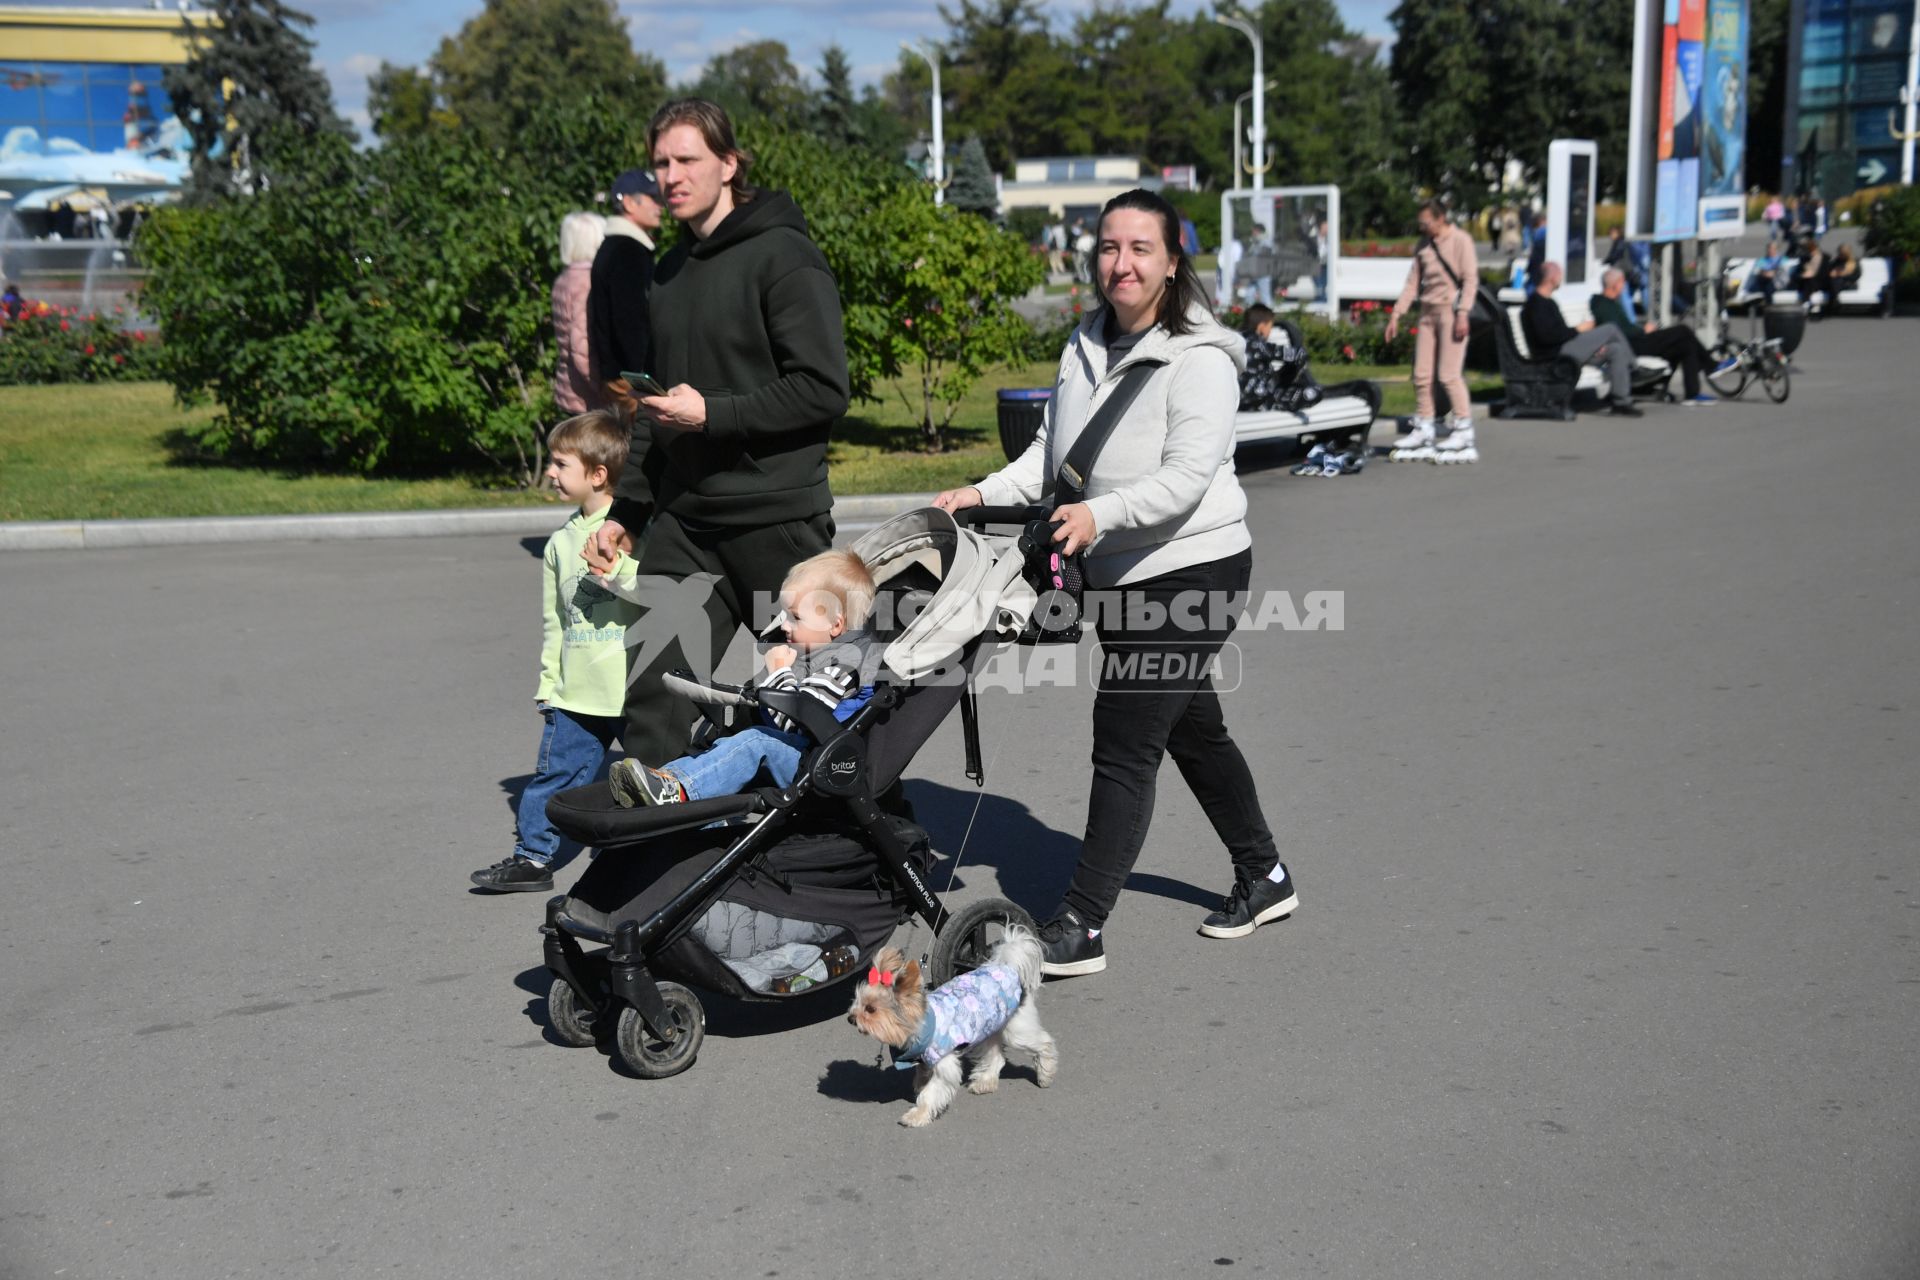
(367, 311)
(972, 189)
(1164, 114)
(885, 132)
(1441, 79)
(950, 313)
(1006, 76)
(1483, 84)
(512, 64)
(1029, 223)
(403, 103)
(249, 79)
(1895, 225)
(756, 79)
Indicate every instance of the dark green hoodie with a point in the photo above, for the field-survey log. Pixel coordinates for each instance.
(750, 318)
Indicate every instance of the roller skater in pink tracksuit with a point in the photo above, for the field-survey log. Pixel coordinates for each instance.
(1445, 276)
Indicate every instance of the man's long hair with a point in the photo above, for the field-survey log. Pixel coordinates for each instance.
(716, 130)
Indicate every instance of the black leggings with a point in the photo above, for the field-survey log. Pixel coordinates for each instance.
(1163, 704)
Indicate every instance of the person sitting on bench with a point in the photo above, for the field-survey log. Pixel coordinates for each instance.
(1811, 277)
(1767, 269)
(1549, 335)
(1676, 344)
(1842, 273)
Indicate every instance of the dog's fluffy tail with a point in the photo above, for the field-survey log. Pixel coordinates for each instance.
(1020, 951)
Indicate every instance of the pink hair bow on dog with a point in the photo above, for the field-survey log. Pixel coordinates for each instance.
(874, 974)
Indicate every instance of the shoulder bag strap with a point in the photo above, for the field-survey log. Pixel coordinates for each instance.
(1086, 447)
(1458, 287)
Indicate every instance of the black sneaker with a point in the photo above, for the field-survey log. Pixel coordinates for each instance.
(1070, 948)
(1250, 905)
(515, 875)
(1626, 409)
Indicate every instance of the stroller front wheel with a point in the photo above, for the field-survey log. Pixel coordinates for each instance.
(571, 1018)
(654, 1057)
(970, 936)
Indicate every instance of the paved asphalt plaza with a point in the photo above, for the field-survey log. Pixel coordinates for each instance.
(1601, 808)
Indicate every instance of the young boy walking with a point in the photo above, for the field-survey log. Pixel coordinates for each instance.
(583, 655)
(830, 654)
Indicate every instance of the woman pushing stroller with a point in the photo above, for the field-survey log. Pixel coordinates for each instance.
(1164, 519)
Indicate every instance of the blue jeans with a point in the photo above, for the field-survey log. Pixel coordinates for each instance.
(573, 752)
(725, 768)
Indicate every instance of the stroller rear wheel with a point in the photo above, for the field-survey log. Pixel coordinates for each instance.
(654, 1057)
(571, 1018)
(971, 935)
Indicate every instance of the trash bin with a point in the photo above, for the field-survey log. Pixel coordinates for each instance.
(1786, 321)
(1021, 412)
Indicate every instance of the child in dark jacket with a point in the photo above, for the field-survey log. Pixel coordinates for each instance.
(1276, 375)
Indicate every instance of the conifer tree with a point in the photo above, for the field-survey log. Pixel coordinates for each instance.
(249, 79)
(972, 188)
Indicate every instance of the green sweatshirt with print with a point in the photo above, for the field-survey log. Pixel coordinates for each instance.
(583, 646)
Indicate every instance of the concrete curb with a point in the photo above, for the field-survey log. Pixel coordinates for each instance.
(862, 510)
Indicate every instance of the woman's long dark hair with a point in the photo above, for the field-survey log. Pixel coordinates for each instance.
(1184, 291)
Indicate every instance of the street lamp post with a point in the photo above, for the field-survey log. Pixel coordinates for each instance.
(1261, 161)
(1259, 91)
(1911, 96)
(931, 56)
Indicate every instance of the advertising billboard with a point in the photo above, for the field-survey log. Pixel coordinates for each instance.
(1686, 158)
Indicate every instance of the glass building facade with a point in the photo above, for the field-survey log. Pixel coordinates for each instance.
(1846, 63)
(98, 106)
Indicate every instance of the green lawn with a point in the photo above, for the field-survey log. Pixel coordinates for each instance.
(101, 452)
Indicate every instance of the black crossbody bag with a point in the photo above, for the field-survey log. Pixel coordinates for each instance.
(1061, 579)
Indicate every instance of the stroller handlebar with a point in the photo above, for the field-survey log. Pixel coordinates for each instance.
(1021, 516)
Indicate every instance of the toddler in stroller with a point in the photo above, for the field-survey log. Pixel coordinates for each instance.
(825, 604)
(745, 894)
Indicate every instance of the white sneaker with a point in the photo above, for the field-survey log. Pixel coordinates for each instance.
(1457, 446)
(1416, 445)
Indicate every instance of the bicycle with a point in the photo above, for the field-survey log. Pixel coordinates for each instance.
(1757, 357)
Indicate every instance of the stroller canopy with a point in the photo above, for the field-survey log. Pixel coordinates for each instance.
(945, 586)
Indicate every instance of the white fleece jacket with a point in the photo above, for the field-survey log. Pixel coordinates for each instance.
(1163, 492)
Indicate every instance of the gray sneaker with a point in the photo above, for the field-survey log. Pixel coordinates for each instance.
(636, 784)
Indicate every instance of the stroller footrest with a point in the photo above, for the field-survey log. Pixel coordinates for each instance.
(590, 815)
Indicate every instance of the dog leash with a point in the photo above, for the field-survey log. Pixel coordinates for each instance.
(913, 927)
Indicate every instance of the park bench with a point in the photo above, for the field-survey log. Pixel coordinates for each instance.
(1546, 388)
(1873, 291)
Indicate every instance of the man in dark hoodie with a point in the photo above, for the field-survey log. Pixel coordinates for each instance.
(730, 465)
(622, 275)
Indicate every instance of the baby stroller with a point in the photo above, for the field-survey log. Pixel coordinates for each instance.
(777, 892)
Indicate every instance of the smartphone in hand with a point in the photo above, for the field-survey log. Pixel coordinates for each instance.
(645, 383)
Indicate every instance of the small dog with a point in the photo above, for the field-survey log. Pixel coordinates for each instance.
(976, 1015)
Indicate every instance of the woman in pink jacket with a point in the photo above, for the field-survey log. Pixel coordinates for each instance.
(1445, 277)
(573, 386)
